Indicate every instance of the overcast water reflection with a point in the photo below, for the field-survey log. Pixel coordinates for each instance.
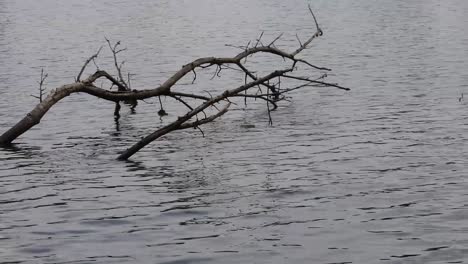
(374, 175)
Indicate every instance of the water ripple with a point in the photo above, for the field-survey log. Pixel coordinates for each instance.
(376, 175)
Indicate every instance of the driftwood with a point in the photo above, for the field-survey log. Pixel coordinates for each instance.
(272, 91)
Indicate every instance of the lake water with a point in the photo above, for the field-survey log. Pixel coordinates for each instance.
(374, 175)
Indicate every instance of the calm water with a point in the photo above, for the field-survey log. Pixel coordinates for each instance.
(375, 175)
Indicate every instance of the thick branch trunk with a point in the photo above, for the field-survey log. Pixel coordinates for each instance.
(34, 117)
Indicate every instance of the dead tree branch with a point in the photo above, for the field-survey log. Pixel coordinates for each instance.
(118, 66)
(41, 84)
(274, 82)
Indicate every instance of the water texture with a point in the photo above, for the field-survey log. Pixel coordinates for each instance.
(375, 175)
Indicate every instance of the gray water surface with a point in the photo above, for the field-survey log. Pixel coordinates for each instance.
(374, 175)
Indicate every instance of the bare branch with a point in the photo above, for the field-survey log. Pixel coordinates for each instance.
(114, 49)
(128, 81)
(205, 120)
(253, 77)
(315, 20)
(41, 83)
(273, 42)
(195, 96)
(182, 101)
(299, 40)
(94, 56)
(259, 39)
(313, 66)
(317, 34)
(310, 81)
(99, 74)
(194, 76)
